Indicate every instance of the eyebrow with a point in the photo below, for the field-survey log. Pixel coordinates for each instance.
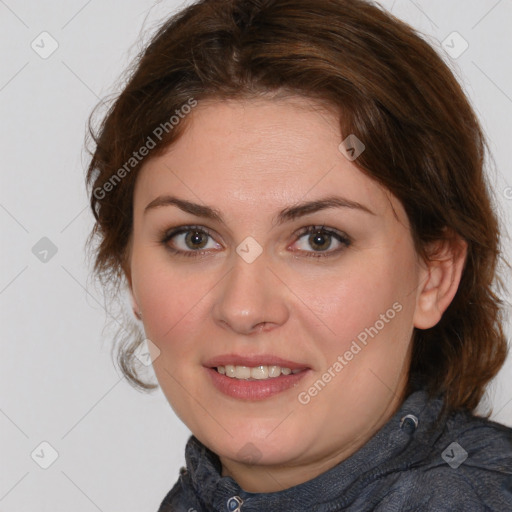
(286, 215)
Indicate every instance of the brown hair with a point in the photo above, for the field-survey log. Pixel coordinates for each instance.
(423, 143)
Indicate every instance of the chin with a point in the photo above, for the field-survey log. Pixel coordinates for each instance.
(256, 444)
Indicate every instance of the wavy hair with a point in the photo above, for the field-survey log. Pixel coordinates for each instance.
(392, 90)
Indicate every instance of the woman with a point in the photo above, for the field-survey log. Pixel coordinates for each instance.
(293, 193)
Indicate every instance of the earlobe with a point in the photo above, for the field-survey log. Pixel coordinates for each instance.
(135, 306)
(125, 266)
(439, 282)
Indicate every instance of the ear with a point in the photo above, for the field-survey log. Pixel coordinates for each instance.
(125, 266)
(439, 280)
(135, 306)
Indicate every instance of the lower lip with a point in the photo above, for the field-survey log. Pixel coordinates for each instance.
(254, 389)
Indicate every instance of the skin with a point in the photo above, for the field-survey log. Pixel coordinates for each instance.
(249, 160)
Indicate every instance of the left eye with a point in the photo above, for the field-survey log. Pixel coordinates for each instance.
(319, 240)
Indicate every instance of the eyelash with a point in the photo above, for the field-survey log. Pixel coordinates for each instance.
(168, 235)
(308, 230)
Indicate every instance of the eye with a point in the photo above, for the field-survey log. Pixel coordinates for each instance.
(320, 241)
(189, 240)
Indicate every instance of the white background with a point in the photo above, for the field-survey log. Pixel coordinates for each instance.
(120, 449)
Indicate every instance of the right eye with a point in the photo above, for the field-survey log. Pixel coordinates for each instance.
(189, 241)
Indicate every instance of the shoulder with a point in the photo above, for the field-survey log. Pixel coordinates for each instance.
(468, 468)
(477, 446)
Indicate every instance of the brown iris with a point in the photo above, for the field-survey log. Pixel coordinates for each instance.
(196, 239)
(320, 241)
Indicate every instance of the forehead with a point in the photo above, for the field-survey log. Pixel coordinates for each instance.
(261, 153)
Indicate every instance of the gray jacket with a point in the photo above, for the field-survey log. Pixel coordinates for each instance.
(413, 464)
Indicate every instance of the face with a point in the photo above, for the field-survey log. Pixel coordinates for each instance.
(280, 285)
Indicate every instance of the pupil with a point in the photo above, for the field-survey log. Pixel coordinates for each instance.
(196, 239)
(320, 241)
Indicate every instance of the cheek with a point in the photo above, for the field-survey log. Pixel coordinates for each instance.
(169, 299)
(364, 352)
(173, 308)
(371, 298)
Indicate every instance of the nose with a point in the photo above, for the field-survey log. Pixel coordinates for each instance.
(251, 298)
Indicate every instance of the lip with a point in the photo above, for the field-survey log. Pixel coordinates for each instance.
(253, 360)
(254, 390)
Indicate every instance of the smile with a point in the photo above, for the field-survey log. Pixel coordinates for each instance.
(255, 376)
(259, 372)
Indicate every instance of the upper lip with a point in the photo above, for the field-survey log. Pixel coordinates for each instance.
(252, 361)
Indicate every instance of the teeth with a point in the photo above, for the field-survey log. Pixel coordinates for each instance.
(257, 372)
(230, 371)
(242, 372)
(260, 372)
(274, 371)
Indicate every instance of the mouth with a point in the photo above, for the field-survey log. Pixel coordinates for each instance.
(254, 377)
(260, 372)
